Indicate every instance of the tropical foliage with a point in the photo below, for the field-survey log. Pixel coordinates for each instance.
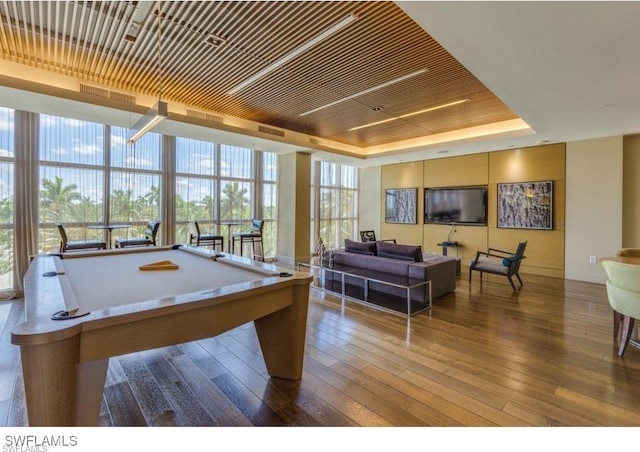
(63, 203)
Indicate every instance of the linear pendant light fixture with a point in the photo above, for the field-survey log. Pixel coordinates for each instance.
(150, 119)
(367, 91)
(294, 53)
(159, 111)
(426, 110)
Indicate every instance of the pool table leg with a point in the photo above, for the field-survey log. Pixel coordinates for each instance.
(61, 391)
(282, 336)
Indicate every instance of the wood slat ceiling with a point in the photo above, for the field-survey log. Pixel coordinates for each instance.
(172, 55)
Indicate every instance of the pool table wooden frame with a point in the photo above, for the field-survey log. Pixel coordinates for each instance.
(65, 362)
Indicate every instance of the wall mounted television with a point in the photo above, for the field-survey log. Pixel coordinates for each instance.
(460, 205)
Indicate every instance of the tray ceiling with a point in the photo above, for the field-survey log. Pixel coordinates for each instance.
(195, 53)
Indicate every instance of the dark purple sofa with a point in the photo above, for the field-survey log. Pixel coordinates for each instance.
(389, 262)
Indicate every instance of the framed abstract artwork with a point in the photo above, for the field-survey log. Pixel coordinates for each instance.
(525, 205)
(401, 205)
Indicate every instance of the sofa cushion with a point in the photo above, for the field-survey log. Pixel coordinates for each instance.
(403, 252)
(368, 248)
(386, 265)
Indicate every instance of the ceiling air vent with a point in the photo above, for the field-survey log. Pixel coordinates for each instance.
(205, 116)
(94, 91)
(106, 94)
(122, 97)
(270, 131)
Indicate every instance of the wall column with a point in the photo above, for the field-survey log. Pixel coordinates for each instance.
(294, 207)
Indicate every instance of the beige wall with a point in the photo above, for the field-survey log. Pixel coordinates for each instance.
(631, 192)
(294, 200)
(369, 199)
(456, 172)
(594, 205)
(545, 250)
(401, 175)
(600, 211)
(589, 222)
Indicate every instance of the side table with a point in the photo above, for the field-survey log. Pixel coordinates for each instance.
(455, 245)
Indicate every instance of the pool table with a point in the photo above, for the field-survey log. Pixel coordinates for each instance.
(84, 307)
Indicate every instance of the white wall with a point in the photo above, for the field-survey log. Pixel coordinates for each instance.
(370, 188)
(593, 205)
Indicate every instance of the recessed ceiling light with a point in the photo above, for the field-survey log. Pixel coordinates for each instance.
(367, 91)
(213, 40)
(426, 110)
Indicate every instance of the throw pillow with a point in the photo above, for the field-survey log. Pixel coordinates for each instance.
(396, 256)
(411, 251)
(507, 260)
(369, 248)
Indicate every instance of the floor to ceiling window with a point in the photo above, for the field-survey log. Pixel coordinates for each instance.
(196, 186)
(268, 200)
(6, 197)
(134, 182)
(72, 172)
(236, 183)
(87, 174)
(334, 204)
(236, 188)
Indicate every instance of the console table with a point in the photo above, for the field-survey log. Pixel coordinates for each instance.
(447, 245)
(456, 246)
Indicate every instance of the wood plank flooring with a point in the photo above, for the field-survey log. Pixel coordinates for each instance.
(483, 356)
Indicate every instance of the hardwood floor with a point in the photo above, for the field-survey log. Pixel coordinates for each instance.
(483, 356)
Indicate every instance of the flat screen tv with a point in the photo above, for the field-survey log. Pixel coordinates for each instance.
(460, 205)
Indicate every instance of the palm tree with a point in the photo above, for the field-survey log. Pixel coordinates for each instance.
(186, 210)
(56, 200)
(6, 210)
(152, 198)
(87, 210)
(208, 207)
(6, 251)
(122, 208)
(234, 203)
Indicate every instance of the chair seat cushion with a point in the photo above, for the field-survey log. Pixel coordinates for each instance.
(246, 235)
(211, 237)
(85, 244)
(489, 265)
(133, 242)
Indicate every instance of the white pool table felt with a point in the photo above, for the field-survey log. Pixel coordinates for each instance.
(97, 283)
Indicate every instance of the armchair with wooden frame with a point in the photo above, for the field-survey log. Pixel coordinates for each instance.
(370, 236)
(499, 262)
